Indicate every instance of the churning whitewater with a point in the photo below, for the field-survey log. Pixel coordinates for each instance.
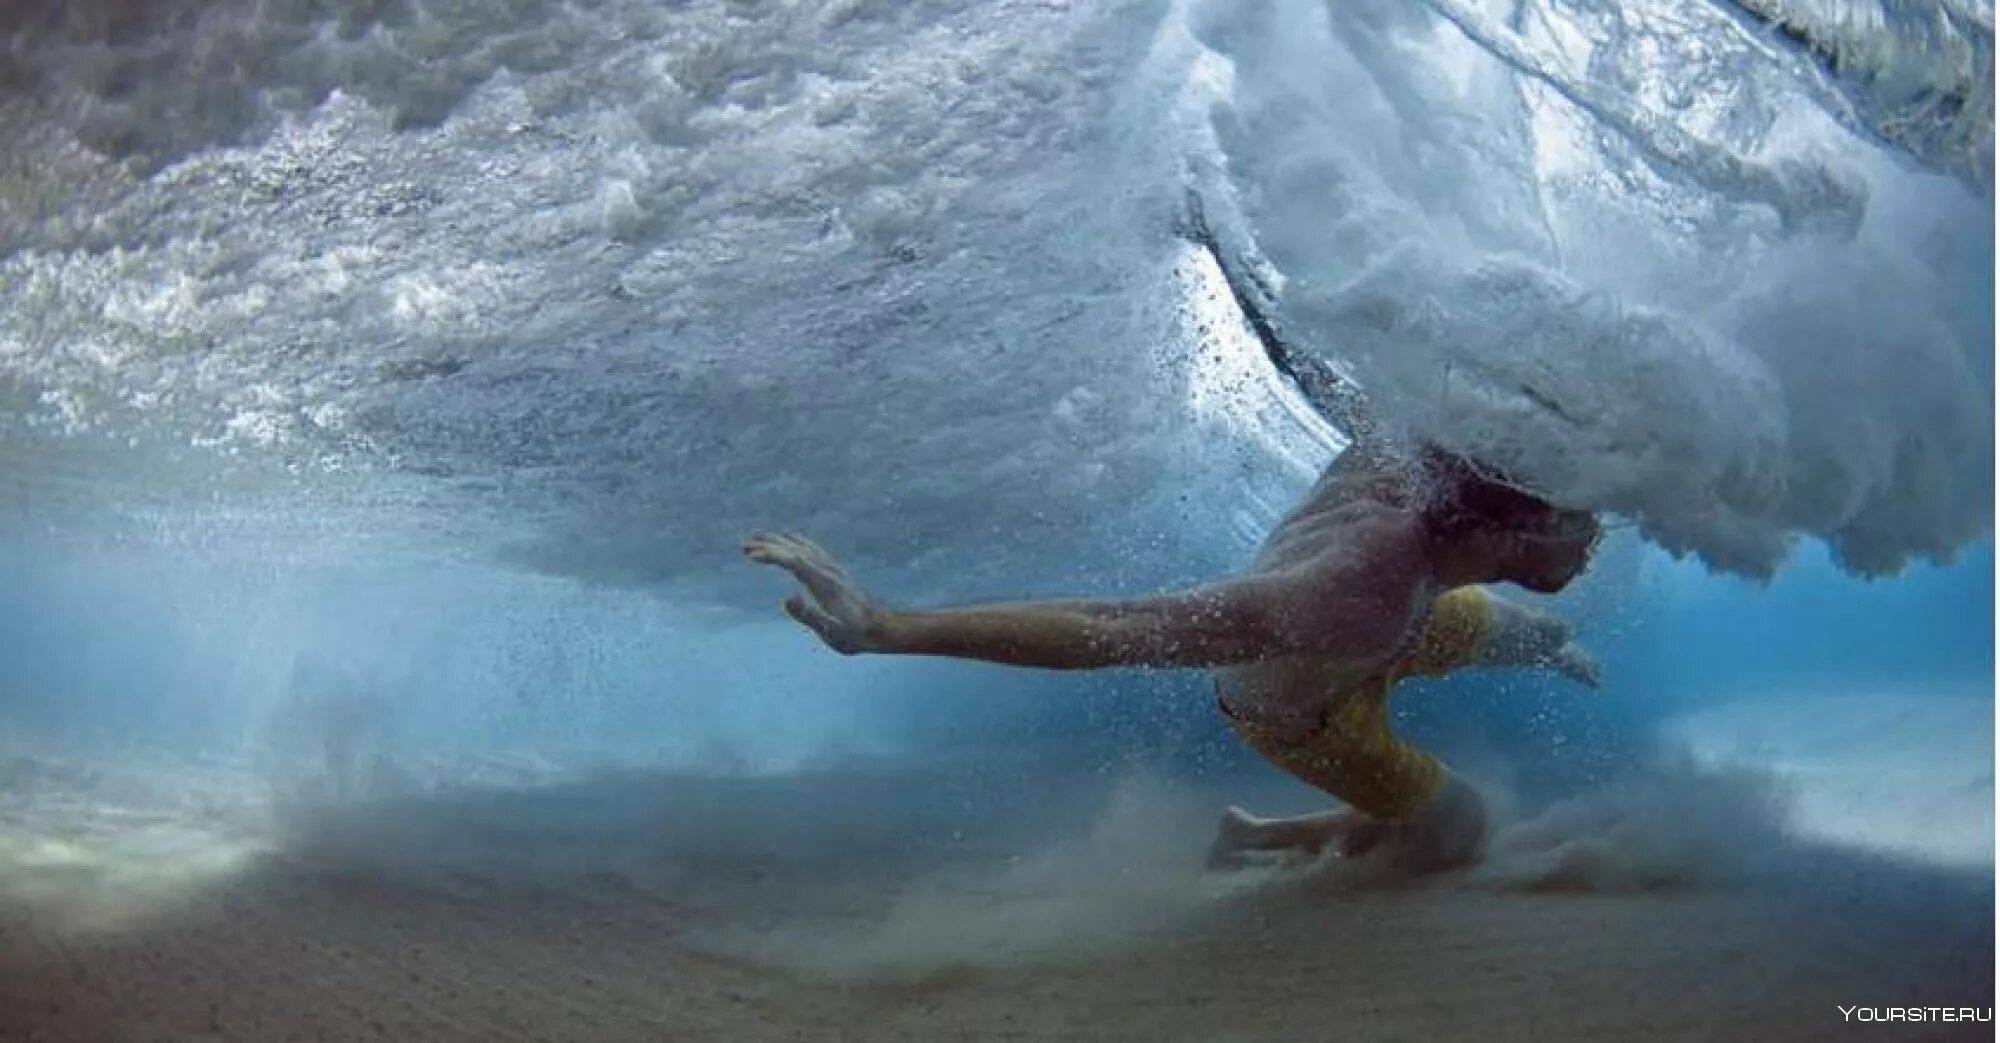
(386, 389)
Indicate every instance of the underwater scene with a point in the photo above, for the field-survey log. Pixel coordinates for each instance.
(1210, 520)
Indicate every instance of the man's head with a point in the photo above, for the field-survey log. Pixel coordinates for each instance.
(1525, 539)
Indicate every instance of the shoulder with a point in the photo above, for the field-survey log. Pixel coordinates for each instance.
(1364, 474)
(1378, 541)
(1370, 584)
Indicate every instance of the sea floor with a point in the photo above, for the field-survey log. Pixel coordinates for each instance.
(1000, 900)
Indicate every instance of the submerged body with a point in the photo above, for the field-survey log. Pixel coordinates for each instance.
(1325, 719)
(1374, 577)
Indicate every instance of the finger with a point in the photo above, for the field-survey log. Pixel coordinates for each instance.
(764, 554)
(829, 587)
(809, 615)
(775, 541)
(781, 550)
(797, 546)
(810, 551)
(804, 560)
(775, 552)
(820, 576)
(1582, 667)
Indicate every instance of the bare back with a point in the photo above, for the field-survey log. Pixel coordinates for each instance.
(1357, 524)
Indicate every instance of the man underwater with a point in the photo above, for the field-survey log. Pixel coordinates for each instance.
(1375, 577)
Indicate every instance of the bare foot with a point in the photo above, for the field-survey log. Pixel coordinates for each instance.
(1233, 837)
(1241, 834)
(1448, 831)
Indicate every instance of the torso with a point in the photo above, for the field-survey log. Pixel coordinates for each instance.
(1365, 517)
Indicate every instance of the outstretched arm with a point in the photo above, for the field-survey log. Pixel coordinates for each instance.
(1213, 625)
(1523, 635)
(1236, 621)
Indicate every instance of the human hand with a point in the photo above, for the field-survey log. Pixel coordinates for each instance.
(1575, 662)
(836, 609)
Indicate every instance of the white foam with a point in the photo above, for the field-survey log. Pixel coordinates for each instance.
(577, 272)
(1732, 321)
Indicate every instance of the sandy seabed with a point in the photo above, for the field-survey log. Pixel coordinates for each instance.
(999, 901)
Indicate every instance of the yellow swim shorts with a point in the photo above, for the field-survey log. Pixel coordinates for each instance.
(1351, 753)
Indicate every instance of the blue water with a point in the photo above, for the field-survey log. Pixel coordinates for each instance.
(105, 650)
(384, 393)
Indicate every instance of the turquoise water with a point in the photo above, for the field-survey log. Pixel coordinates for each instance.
(384, 394)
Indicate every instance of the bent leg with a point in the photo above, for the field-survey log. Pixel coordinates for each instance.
(1447, 831)
(1459, 632)
(1403, 801)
